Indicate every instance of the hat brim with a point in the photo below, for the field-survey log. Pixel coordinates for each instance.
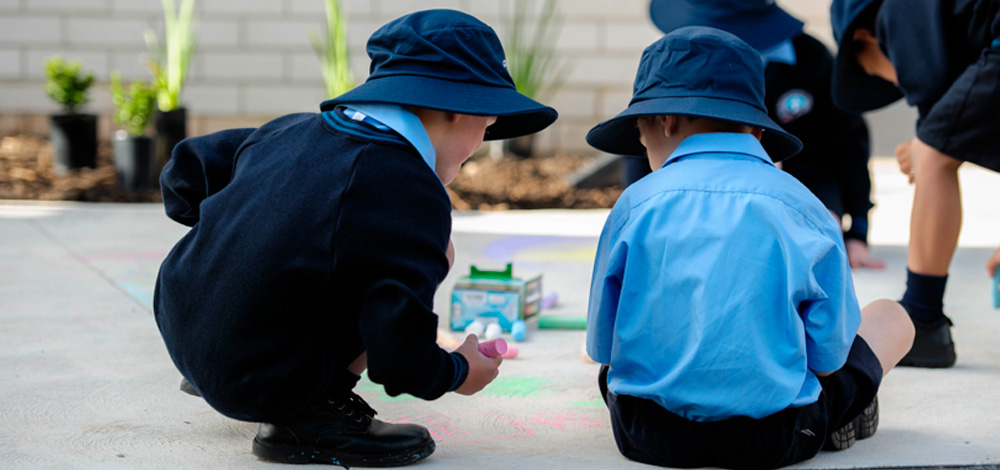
(762, 30)
(853, 90)
(619, 135)
(517, 115)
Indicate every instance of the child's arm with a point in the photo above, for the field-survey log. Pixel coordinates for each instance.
(605, 289)
(831, 313)
(391, 244)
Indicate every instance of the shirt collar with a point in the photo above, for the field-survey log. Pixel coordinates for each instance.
(781, 53)
(719, 142)
(399, 119)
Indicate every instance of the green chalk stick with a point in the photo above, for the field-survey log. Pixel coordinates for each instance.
(557, 322)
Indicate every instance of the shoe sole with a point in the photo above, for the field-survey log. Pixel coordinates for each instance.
(303, 455)
(928, 363)
(862, 427)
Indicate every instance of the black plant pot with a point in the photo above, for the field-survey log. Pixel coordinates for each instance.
(520, 146)
(74, 141)
(133, 162)
(171, 128)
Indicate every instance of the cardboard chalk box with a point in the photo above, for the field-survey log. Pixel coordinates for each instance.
(496, 295)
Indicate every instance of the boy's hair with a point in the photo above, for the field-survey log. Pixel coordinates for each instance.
(712, 125)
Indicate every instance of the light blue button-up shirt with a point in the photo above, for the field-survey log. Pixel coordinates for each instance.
(720, 281)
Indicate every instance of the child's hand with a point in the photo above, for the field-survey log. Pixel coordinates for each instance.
(482, 369)
(858, 256)
(905, 159)
(993, 263)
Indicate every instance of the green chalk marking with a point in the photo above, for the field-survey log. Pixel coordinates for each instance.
(558, 322)
(515, 387)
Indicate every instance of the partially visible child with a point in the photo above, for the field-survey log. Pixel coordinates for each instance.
(833, 163)
(722, 304)
(318, 240)
(944, 56)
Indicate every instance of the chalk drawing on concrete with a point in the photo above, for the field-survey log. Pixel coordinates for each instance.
(456, 427)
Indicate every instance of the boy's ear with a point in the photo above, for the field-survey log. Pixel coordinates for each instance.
(865, 36)
(671, 124)
(757, 132)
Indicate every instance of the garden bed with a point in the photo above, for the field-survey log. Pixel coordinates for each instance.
(26, 172)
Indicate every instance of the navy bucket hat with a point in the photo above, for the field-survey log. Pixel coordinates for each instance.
(701, 72)
(448, 61)
(761, 23)
(852, 89)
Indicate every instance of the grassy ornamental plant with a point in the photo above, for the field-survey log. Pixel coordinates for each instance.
(531, 58)
(169, 61)
(134, 106)
(332, 51)
(66, 83)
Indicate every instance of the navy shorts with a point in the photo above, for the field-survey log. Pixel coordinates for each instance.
(648, 433)
(963, 123)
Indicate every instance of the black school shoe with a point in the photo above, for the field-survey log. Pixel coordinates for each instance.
(343, 431)
(932, 346)
(862, 427)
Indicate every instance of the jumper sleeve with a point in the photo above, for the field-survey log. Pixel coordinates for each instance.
(392, 236)
(605, 289)
(832, 315)
(199, 168)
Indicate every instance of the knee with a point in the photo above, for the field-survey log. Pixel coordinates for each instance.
(893, 317)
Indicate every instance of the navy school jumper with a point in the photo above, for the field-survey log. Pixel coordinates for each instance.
(313, 238)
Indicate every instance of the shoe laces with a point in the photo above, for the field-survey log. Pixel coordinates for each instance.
(353, 406)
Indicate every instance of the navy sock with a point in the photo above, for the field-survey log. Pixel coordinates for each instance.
(924, 297)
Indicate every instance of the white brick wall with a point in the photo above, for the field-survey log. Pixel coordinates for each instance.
(254, 59)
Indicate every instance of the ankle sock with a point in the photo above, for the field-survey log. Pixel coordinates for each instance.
(924, 297)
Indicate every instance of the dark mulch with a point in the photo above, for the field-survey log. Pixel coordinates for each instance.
(26, 172)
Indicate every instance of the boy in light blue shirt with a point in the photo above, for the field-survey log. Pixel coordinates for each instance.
(722, 304)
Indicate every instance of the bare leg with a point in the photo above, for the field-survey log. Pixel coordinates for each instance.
(359, 365)
(937, 211)
(887, 329)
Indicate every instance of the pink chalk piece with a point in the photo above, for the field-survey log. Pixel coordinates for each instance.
(493, 348)
(511, 353)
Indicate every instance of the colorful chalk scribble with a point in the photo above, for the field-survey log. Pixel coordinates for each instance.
(455, 427)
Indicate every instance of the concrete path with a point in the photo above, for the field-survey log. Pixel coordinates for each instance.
(86, 383)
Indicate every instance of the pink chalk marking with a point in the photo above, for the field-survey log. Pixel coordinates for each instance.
(444, 427)
(493, 347)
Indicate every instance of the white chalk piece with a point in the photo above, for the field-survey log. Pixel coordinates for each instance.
(493, 331)
(475, 328)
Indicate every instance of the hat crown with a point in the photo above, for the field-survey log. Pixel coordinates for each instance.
(700, 62)
(731, 8)
(442, 44)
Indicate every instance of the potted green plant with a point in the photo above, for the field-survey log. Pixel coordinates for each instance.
(133, 150)
(531, 59)
(169, 62)
(332, 51)
(73, 134)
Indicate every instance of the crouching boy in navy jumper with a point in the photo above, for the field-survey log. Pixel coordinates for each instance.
(944, 57)
(317, 242)
(722, 304)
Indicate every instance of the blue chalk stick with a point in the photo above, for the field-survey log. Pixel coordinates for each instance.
(518, 330)
(996, 289)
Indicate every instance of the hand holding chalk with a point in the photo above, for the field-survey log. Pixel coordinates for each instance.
(493, 348)
(482, 369)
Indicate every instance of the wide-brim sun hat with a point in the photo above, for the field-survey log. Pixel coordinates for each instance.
(852, 88)
(700, 72)
(448, 61)
(761, 23)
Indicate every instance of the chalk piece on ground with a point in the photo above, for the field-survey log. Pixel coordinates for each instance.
(519, 330)
(493, 331)
(558, 322)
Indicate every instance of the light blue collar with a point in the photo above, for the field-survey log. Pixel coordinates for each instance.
(399, 119)
(781, 53)
(719, 142)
